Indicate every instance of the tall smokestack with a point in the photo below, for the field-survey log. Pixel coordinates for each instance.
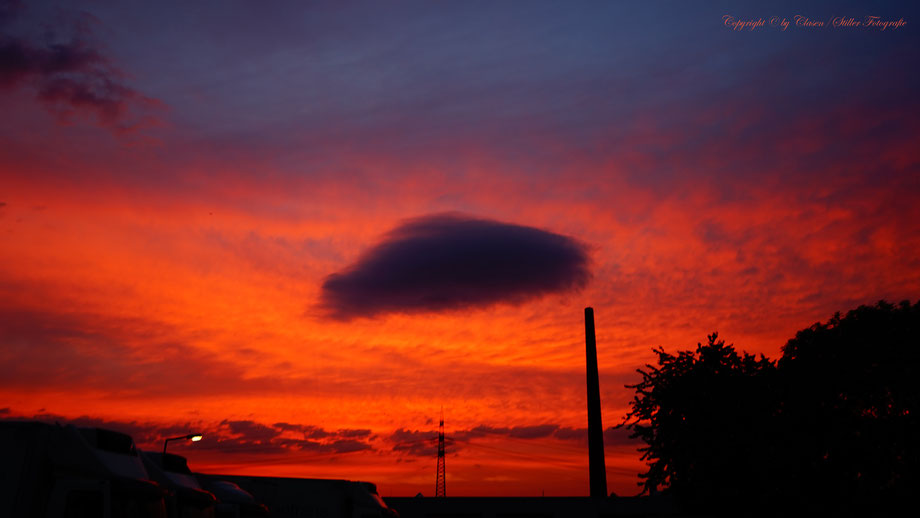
(597, 468)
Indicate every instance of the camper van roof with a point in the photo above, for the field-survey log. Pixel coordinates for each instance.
(109, 440)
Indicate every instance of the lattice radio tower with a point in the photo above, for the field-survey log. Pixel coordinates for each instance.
(440, 489)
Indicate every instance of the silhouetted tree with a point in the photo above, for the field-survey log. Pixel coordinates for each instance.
(851, 390)
(703, 417)
(831, 426)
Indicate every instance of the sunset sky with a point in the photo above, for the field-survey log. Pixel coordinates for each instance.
(302, 228)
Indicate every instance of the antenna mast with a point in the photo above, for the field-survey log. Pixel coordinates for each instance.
(440, 489)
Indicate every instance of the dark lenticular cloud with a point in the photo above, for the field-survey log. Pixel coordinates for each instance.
(451, 261)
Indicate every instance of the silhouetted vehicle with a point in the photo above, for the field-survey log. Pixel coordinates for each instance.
(185, 497)
(63, 471)
(234, 502)
(298, 497)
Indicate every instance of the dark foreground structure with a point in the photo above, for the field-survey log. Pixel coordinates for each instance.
(530, 507)
(597, 466)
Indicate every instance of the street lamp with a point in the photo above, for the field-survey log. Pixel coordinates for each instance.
(194, 437)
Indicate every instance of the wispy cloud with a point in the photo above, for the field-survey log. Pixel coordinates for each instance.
(424, 443)
(71, 76)
(227, 436)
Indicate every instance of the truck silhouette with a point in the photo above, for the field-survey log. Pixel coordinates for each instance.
(55, 471)
(64, 471)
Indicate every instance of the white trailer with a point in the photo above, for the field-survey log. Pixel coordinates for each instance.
(54, 471)
(310, 497)
(185, 498)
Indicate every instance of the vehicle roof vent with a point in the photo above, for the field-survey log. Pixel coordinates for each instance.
(110, 440)
(176, 464)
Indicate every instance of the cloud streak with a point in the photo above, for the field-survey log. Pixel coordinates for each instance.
(227, 436)
(246, 436)
(424, 443)
(451, 261)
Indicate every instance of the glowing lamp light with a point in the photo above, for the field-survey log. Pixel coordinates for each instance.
(194, 437)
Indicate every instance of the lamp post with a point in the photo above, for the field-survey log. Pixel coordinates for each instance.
(194, 437)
